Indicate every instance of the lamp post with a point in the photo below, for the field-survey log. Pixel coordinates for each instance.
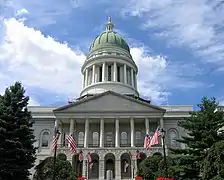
(163, 133)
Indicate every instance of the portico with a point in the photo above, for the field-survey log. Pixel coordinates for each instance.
(143, 123)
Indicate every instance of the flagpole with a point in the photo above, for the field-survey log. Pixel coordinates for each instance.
(54, 162)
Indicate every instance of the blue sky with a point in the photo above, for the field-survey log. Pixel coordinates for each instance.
(177, 45)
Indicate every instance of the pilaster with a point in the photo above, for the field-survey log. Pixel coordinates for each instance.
(101, 169)
(117, 168)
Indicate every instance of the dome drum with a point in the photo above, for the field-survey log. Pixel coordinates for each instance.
(98, 60)
(109, 66)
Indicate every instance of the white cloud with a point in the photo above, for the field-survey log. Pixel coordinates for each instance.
(194, 24)
(33, 102)
(38, 61)
(158, 76)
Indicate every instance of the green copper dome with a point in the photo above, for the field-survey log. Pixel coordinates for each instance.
(109, 38)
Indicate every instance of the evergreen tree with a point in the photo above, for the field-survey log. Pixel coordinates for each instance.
(202, 132)
(213, 164)
(16, 135)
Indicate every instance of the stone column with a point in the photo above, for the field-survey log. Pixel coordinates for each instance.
(115, 71)
(93, 74)
(86, 132)
(101, 132)
(86, 77)
(132, 126)
(125, 74)
(146, 126)
(117, 137)
(103, 71)
(71, 129)
(132, 78)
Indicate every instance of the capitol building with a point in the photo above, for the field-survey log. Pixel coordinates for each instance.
(109, 119)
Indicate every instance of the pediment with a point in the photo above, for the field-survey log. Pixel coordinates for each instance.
(110, 102)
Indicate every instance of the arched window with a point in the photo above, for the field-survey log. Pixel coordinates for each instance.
(124, 138)
(173, 135)
(81, 139)
(95, 138)
(139, 138)
(45, 139)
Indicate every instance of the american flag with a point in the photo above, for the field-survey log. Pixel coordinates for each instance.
(55, 139)
(80, 156)
(89, 157)
(155, 138)
(147, 142)
(72, 143)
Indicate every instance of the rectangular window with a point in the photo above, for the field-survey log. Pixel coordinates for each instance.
(100, 74)
(118, 74)
(109, 139)
(109, 73)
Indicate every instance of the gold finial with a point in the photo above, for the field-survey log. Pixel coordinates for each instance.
(109, 26)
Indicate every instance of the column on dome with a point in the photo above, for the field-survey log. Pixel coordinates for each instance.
(86, 132)
(83, 80)
(115, 72)
(93, 73)
(103, 71)
(101, 132)
(97, 78)
(125, 74)
(117, 137)
(86, 76)
(135, 76)
(132, 127)
(132, 77)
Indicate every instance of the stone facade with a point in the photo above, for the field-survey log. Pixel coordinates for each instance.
(126, 129)
(109, 119)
